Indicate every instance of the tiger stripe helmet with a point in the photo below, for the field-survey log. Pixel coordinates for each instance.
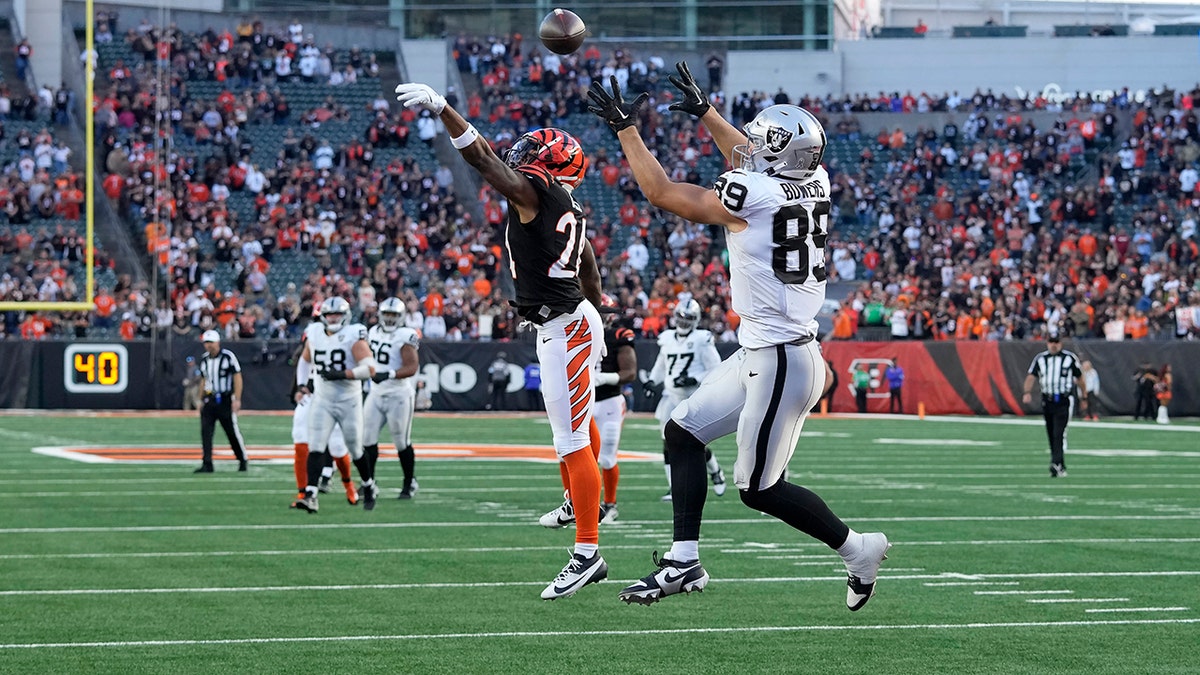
(554, 150)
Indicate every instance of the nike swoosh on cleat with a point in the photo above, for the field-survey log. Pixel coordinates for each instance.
(670, 580)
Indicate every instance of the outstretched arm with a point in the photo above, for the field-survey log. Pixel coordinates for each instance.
(694, 102)
(474, 148)
(689, 201)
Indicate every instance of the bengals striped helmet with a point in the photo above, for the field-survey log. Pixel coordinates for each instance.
(554, 150)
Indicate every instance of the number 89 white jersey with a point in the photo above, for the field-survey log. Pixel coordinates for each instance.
(334, 352)
(386, 346)
(777, 264)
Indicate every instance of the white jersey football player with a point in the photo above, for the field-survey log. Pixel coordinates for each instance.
(686, 354)
(394, 392)
(775, 208)
(341, 358)
(302, 397)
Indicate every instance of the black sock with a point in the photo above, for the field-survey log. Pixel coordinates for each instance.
(365, 470)
(689, 481)
(371, 452)
(316, 461)
(327, 459)
(802, 509)
(407, 462)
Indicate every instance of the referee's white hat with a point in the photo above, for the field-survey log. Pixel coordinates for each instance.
(210, 336)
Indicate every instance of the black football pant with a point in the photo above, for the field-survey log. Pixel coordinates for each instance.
(211, 413)
(1057, 413)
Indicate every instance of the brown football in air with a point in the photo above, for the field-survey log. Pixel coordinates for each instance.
(562, 31)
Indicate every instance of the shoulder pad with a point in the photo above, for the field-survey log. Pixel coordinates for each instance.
(665, 336)
(536, 174)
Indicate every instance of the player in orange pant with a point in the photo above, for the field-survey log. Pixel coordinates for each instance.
(618, 367)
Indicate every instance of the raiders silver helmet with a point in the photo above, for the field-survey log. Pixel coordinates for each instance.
(331, 307)
(783, 141)
(391, 312)
(687, 317)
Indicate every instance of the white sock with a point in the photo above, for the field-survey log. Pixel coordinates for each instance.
(852, 547)
(684, 551)
(587, 550)
(327, 472)
(713, 465)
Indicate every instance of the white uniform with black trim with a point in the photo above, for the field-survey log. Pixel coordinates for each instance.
(681, 356)
(337, 445)
(391, 401)
(777, 279)
(335, 402)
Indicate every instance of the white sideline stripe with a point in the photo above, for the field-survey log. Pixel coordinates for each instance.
(513, 584)
(633, 488)
(520, 549)
(1060, 592)
(1137, 609)
(597, 633)
(1040, 601)
(718, 521)
(1025, 422)
(972, 583)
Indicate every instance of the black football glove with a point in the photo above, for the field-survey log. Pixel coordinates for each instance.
(331, 375)
(381, 376)
(694, 102)
(649, 389)
(685, 381)
(612, 108)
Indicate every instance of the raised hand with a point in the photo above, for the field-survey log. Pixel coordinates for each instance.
(694, 102)
(612, 107)
(413, 95)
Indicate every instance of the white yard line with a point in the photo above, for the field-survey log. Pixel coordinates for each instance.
(654, 523)
(971, 583)
(1050, 601)
(1058, 592)
(507, 584)
(1137, 609)
(598, 633)
(756, 550)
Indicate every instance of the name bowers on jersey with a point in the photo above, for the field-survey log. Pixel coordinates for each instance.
(810, 190)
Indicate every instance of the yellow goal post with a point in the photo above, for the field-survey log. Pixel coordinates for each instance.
(89, 66)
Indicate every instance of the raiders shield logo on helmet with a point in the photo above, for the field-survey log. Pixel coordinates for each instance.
(777, 139)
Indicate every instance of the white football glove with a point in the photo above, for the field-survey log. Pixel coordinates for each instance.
(414, 94)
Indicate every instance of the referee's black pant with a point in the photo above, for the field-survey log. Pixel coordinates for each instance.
(1057, 412)
(218, 408)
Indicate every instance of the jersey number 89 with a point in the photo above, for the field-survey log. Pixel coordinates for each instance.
(799, 235)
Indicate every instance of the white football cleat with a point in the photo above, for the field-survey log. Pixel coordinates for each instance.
(860, 585)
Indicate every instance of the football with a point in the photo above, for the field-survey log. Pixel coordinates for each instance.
(562, 31)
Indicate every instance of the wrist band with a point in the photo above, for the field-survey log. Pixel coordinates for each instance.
(468, 137)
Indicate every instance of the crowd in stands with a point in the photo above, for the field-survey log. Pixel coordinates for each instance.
(987, 229)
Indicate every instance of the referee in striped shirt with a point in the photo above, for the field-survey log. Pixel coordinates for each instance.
(1060, 378)
(221, 384)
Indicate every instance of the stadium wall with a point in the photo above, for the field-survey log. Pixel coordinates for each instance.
(967, 378)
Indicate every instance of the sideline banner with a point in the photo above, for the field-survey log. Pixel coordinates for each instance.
(966, 378)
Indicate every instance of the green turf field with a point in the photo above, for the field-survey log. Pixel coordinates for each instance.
(144, 568)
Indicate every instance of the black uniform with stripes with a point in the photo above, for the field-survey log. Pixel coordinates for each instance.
(218, 372)
(1058, 377)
